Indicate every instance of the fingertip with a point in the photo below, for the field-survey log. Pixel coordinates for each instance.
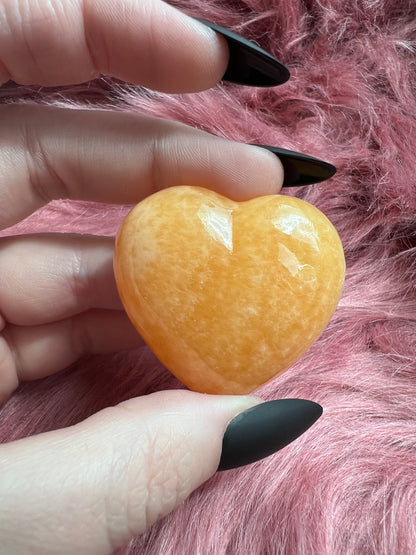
(238, 171)
(251, 172)
(187, 55)
(217, 53)
(273, 169)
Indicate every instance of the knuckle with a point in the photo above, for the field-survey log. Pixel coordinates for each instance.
(157, 474)
(155, 164)
(35, 163)
(43, 176)
(167, 468)
(20, 21)
(80, 340)
(148, 477)
(98, 47)
(9, 366)
(167, 158)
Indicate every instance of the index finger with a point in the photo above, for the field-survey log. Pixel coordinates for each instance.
(146, 42)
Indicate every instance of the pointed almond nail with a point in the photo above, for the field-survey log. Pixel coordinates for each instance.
(264, 429)
(301, 169)
(249, 64)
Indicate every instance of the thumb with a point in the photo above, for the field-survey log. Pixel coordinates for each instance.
(92, 487)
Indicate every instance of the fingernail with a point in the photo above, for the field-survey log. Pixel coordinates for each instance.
(301, 169)
(249, 64)
(264, 429)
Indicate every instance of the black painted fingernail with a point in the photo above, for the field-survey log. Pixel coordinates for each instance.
(249, 64)
(264, 429)
(301, 169)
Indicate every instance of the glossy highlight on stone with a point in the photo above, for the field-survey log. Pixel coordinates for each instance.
(228, 294)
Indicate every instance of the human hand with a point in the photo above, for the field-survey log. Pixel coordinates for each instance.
(91, 487)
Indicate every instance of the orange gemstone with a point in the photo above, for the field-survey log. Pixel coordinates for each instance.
(228, 294)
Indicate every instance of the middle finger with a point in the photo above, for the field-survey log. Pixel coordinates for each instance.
(49, 277)
(49, 153)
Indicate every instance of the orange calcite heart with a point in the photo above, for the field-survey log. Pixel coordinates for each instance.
(227, 294)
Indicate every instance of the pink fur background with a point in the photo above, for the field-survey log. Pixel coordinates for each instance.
(348, 486)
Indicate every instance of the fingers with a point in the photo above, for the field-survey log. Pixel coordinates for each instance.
(33, 352)
(46, 278)
(58, 302)
(118, 158)
(145, 42)
(94, 486)
(38, 351)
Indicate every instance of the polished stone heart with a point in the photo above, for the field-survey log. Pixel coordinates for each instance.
(228, 294)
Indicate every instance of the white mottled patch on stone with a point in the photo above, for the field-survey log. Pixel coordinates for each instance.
(308, 275)
(291, 262)
(294, 223)
(218, 224)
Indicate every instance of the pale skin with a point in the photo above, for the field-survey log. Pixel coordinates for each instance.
(58, 299)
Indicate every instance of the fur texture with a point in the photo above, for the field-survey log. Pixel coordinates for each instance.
(348, 485)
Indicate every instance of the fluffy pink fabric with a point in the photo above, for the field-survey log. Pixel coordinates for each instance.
(348, 485)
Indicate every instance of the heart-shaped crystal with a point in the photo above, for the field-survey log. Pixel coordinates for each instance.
(228, 294)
